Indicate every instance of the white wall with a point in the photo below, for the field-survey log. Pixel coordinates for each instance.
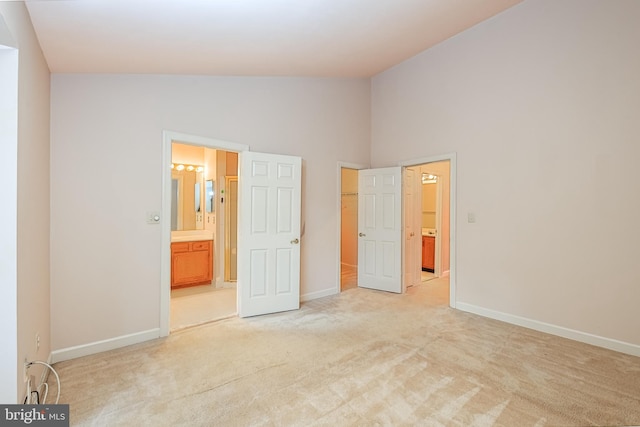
(8, 215)
(106, 173)
(541, 104)
(29, 167)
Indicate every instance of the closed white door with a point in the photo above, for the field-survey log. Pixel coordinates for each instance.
(269, 234)
(379, 229)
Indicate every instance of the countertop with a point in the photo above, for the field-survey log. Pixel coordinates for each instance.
(429, 232)
(191, 235)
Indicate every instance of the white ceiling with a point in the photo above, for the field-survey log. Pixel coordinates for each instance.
(322, 38)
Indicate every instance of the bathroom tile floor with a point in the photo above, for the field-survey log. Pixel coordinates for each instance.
(201, 304)
(425, 275)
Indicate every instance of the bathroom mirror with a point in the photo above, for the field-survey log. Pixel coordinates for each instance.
(209, 195)
(187, 199)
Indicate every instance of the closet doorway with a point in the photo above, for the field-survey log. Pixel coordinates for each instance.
(348, 229)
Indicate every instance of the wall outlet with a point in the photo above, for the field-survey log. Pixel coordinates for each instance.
(37, 342)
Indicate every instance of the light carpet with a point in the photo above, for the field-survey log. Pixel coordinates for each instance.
(361, 358)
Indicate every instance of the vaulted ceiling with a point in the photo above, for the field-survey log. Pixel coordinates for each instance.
(321, 38)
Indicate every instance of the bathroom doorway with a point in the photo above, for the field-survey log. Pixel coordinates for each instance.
(203, 224)
(431, 214)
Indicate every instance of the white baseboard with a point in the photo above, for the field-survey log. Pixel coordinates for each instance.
(104, 345)
(318, 294)
(611, 344)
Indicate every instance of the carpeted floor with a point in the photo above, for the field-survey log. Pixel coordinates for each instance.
(361, 358)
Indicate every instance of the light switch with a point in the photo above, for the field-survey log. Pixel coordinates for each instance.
(153, 217)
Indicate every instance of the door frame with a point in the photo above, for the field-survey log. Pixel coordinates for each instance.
(165, 240)
(451, 157)
(227, 234)
(341, 165)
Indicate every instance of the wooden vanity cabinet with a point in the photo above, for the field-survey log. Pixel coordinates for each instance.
(428, 252)
(191, 263)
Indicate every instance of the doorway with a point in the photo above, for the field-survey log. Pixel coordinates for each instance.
(443, 168)
(435, 213)
(349, 229)
(201, 293)
(269, 230)
(348, 225)
(427, 257)
(206, 302)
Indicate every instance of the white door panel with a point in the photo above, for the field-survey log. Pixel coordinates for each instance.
(412, 227)
(379, 227)
(269, 229)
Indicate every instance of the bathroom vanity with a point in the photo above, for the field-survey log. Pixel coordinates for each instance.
(191, 263)
(191, 258)
(428, 249)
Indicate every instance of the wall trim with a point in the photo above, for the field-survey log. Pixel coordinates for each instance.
(319, 294)
(104, 345)
(572, 334)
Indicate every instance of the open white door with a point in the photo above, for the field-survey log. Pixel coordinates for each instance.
(380, 229)
(269, 234)
(412, 227)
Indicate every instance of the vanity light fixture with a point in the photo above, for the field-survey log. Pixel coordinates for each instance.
(427, 178)
(189, 168)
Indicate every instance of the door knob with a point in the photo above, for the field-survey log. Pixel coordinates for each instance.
(361, 234)
(295, 241)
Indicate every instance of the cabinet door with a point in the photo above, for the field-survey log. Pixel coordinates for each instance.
(205, 251)
(191, 263)
(428, 252)
(424, 252)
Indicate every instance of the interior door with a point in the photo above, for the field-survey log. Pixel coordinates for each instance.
(379, 229)
(269, 234)
(412, 227)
